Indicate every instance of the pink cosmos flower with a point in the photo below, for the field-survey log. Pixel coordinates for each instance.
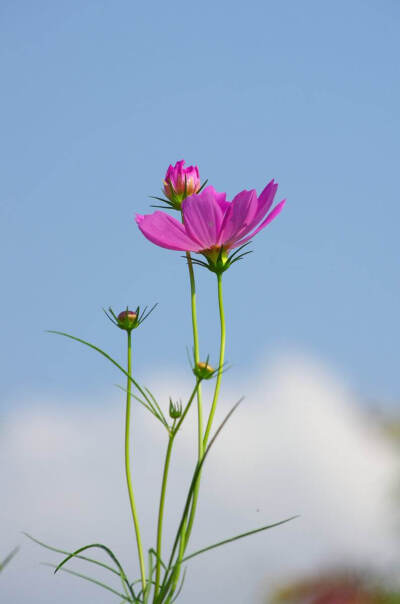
(180, 182)
(211, 225)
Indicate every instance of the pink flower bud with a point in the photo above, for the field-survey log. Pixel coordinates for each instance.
(127, 319)
(180, 182)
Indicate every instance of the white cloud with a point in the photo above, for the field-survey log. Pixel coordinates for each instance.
(299, 444)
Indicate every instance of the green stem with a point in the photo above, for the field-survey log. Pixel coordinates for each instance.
(221, 360)
(199, 393)
(187, 528)
(171, 439)
(127, 464)
(161, 513)
(196, 352)
(215, 400)
(196, 355)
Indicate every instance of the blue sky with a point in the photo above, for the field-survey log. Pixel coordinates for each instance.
(99, 97)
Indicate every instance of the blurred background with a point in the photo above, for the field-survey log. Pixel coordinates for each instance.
(97, 99)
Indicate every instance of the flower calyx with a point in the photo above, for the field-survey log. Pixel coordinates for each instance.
(218, 260)
(204, 371)
(175, 409)
(128, 319)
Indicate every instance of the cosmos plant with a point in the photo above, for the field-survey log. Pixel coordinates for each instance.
(214, 234)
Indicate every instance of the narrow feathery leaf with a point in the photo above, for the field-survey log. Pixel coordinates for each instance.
(196, 474)
(146, 405)
(109, 552)
(225, 541)
(95, 581)
(153, 398)
(180, 587)
(8, 558)
(65, 553)
(153, 551)
(104, 354)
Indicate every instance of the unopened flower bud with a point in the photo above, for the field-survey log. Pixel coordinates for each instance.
(180, 182)
(203, 371)
(175, 409)
(127, 319)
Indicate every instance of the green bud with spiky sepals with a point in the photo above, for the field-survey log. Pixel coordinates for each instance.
(203, 371)
(175, 409)
(128, 319)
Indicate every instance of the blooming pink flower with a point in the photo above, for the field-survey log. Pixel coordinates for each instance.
(211, 224)
(180, 182)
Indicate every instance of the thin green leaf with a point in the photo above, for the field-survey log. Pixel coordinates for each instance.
(153, 398)
(188, 405)
(180, 587)
(147, 406)
(104, 354)
(8, 558)
(196, 474)
(146, 592)
(140, 594)
(153, 551)
(65, 553)
(109, 552)
(253, 532)
(81, 576)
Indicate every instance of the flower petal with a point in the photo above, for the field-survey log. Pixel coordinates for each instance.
(220, 198)
(265, 201)
(273, 214)
(202, 217)
(238, 217)
(164, 230)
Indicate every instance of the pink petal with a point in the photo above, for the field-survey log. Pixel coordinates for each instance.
(265, 201)
(238, 218)
(220, 198)
(202, 216)
(273, 214)
(164, 230)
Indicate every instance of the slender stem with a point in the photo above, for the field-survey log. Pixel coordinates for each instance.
(187, 529)
(196, 352)
(161, 512)
(171, 439)
(215, 400)
(221, 360)
(127, 464)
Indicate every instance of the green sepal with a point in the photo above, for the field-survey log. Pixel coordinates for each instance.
(219, 262)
